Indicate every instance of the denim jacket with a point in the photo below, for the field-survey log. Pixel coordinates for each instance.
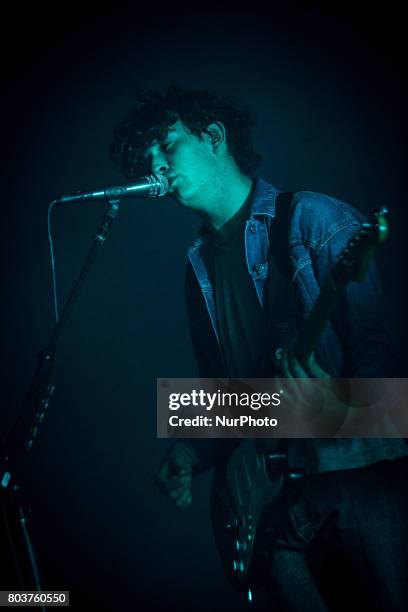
(354, 343)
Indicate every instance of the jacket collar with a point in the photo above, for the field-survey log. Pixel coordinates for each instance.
(264, 198)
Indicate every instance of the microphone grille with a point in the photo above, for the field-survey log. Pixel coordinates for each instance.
(159, 185)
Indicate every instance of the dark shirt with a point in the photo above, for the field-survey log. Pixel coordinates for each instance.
(241, 319)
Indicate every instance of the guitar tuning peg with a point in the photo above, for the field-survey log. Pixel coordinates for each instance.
(383, 211)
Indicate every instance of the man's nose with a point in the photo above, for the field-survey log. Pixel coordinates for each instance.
(160, 165)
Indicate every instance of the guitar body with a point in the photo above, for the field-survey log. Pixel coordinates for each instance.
(246, 499)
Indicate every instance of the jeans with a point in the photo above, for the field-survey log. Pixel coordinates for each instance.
(344, 542)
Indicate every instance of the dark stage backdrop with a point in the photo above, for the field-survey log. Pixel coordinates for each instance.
(328, 89)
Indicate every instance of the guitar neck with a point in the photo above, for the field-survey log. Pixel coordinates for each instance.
(352, 264)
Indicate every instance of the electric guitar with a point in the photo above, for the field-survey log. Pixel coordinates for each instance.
(256, 479)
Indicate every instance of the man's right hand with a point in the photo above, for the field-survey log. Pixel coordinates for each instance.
(175, 475)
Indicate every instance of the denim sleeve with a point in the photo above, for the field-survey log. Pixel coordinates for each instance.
(359, 318)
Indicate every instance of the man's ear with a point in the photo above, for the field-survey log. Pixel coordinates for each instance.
(217, 134)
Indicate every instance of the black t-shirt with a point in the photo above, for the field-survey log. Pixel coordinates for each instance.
(241, 318)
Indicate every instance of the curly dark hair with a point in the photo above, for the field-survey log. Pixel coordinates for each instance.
(154, 113)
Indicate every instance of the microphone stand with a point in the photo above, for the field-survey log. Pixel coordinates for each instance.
(18, 441)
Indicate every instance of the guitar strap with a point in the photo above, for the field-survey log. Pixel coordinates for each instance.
(279, 296)
(281, 307)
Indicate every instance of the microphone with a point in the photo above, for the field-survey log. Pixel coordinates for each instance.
(146, 187)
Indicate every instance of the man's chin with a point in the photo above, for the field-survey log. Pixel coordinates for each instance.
(181, 198)
(175, 194)
(172, 195)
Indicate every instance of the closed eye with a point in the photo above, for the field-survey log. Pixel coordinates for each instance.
(166, 145)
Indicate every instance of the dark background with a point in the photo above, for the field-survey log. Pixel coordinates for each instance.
(328, 88)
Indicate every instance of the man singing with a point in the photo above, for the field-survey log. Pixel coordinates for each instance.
(253, 275)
